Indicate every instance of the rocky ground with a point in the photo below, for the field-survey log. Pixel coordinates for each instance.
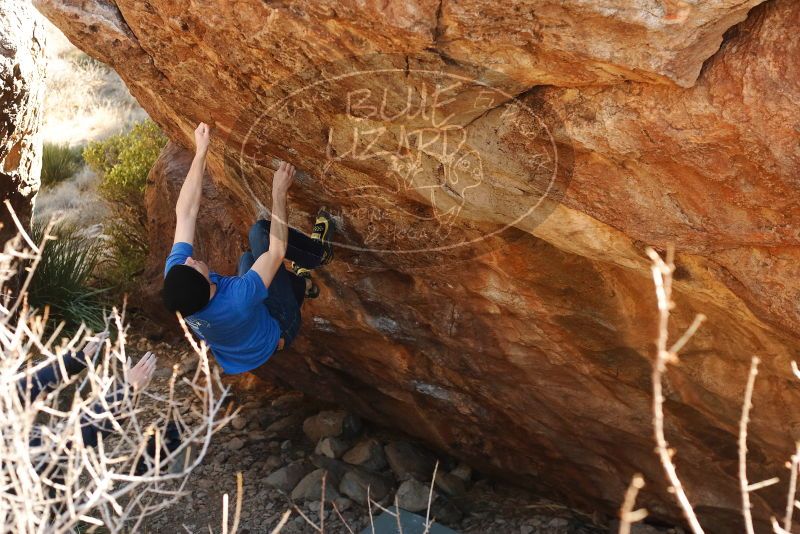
(284, 442)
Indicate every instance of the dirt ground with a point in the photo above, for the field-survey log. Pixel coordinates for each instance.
(247, 446)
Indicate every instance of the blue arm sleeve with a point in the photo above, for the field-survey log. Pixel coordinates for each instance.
(250, 288)
(48, 377)
(177, 256)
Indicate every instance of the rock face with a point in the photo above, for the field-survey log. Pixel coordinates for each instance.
(496, 178)
(21, 99)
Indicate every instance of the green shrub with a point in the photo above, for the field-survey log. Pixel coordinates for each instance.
(64, 278)
(59, 163)
(124, 160)
(123, 163)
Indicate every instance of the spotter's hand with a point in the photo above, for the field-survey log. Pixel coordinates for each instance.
(141, 373)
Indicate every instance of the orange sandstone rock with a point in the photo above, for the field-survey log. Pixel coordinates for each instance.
(497, 172)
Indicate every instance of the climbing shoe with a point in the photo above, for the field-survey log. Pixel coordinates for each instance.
(301, 271)
(312, 289)
(323, 230)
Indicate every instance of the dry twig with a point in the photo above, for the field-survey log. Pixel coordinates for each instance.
(662, 277)
(50, 480)
(627, 515)
(744, 486)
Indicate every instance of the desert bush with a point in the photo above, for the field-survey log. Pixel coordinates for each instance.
(60, 162)
(123, 162)
(64, 278)
(54, 481)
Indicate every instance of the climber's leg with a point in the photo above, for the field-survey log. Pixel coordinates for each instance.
(300, 249)
(246, 261)
(287, 290)
(323, 233)
(298, 288)
(285, 297)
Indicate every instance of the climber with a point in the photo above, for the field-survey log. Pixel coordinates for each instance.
(244, 319)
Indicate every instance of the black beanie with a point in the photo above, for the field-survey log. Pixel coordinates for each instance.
(185, 290)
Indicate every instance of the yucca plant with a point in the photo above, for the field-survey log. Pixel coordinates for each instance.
(64, 277)
(60, 162)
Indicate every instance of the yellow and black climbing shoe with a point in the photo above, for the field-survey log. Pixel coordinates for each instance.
(323, 230)
(312, 289)
(301, 271)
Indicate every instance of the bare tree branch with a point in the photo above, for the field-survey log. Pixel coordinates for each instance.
(744, 486)
(50, 478)
(662, 277)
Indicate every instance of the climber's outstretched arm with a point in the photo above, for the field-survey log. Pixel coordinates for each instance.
(267, 264)
(188, 204)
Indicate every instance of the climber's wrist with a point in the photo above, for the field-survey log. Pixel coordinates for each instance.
(280, 193)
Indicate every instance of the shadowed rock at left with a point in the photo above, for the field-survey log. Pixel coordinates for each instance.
(21, 99)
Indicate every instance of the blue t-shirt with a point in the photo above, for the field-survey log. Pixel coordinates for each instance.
(235, 323)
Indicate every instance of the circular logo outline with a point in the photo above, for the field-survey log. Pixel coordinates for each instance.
(509, 100)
